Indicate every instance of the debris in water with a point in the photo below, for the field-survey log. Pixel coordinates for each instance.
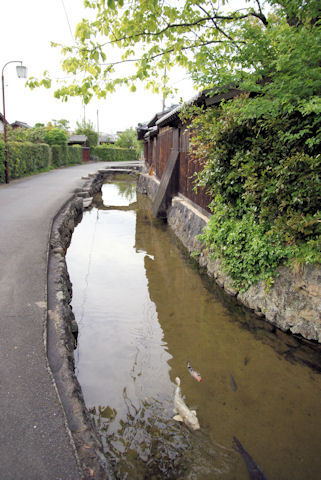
(233, 383)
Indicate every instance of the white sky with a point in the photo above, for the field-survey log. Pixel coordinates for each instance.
(27, 28)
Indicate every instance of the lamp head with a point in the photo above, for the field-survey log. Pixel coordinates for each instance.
(21, 71)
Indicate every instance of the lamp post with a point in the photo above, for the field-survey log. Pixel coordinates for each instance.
(22, 73)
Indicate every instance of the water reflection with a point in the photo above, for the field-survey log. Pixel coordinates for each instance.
(143, 309)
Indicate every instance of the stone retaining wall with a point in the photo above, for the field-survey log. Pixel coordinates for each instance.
(293, 303)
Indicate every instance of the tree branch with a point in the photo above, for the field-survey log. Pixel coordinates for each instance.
(170, 50)
(215, 24)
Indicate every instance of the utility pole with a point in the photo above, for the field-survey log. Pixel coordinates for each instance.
(98, 126)
(164, 89)
(22, 73)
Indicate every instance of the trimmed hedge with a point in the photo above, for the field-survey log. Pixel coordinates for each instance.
(24, 158)
(62, 155)
(107, 153)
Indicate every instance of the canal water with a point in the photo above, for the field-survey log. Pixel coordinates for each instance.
(143, 308)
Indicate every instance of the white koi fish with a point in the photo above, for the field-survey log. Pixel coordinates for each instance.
(184, 414)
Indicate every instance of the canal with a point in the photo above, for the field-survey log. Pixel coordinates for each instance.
(144, 308)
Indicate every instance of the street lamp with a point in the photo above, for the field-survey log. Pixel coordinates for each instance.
(22, 73)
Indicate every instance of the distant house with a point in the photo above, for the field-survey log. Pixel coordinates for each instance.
(78, 140)
(1, 122)
(18, 124)
(142, 129)
(107, 138)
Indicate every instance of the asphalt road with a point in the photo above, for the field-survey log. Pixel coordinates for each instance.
(34, 440)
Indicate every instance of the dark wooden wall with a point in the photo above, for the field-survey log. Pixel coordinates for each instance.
(187, 169)
(164, 146)
(157, 151)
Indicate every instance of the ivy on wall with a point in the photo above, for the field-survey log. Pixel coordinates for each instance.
(264, 176)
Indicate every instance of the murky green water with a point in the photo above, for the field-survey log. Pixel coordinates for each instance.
(143, 308)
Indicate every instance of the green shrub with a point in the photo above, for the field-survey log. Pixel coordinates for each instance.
(62, 155)
(109, 153)
(264, 175)
(56, 136)
(74, 155)
(249, 253)
(58, 155)
(25, 158)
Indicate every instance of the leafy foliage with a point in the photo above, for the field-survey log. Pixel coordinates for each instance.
(128, 139)
(264, 175)
(62, 155)
(40, 134)
(63, 124)
(56, 136)
(110, 153)
(25, 158)
(87, 128)
(150, 35)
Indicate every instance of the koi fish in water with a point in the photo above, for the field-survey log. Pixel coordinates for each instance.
(193, 372)
(254, 471)
(184, 414)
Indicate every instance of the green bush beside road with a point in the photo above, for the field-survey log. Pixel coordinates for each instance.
(107, 153)
(24, 158)
(62, 155)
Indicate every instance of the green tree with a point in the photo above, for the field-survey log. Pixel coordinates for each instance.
(37, 134)
(87, 128)
(271, 47)
(16, 134)
(128, 139)
(63, 124)
(56, 136)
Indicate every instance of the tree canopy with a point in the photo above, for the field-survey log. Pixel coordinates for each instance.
(56, 136)
(128, 139)
(87, 128)
(270, 47)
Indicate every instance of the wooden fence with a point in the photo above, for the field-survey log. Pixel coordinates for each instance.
(157, 149)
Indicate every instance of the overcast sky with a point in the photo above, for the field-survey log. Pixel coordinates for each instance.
(27, 28)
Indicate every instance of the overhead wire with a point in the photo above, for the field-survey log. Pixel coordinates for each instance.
(67, 18)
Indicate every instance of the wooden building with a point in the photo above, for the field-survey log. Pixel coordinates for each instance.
(166, 147)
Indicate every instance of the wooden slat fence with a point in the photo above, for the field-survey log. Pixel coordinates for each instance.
(159, 149)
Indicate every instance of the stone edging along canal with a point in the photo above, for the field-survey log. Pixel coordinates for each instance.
(62, 332)
(292, 304)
